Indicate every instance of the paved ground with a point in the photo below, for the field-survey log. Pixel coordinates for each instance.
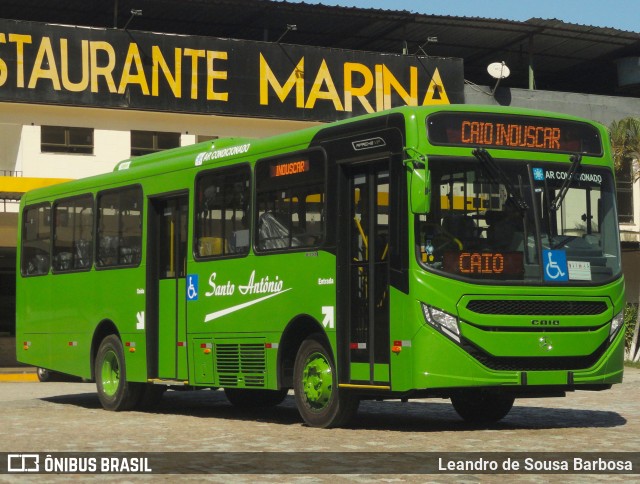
(67, 417)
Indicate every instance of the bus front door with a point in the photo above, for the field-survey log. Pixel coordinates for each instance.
(366, 258)
(167, 255)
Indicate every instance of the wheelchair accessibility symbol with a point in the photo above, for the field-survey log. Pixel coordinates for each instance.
(555, 265)
(192, 287)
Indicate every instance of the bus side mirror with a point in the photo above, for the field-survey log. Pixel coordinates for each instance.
(420, 188)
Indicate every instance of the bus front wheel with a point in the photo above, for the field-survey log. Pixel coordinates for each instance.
(114, 391)
(319, 400)
(477, 406)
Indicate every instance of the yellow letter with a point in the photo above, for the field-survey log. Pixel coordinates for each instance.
(359, 92)
(105, 71)
(127, 78)
(194, 54)
(212, 75)
(20, 40)
(175, 82)
(39, 72)
(64, 67)
(410, 99)
(324, 76)
(267, 78)
(379, 87)
(3, 64)
(436, 84)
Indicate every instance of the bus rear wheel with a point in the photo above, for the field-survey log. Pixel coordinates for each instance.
(247, 398)
(114, 391)
(320, 401)
(477, 406)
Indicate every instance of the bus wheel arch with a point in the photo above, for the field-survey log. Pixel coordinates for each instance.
(105, 328)
(298, 330)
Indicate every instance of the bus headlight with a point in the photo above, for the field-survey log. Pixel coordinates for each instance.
(444, 322)
(616, 323)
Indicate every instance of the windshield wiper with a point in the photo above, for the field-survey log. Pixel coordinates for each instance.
(498, 176)
(575, 163)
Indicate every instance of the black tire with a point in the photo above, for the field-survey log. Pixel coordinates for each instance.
(246, 398)
(114, 391)
(150, 395)
(320, 401)
(44, 375)
(477, 406)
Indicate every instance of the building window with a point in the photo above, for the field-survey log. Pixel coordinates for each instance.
(145, 142)
(205, 137)
(62, 139)
(624, 187)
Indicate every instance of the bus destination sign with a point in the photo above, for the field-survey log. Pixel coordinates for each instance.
(289, 168)
(478, 264)
(513, 132)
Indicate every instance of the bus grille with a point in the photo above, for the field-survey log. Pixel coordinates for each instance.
(236, 363)
(522, 307)
(507, 363)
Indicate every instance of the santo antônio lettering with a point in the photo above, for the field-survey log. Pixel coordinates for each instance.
(512, 135)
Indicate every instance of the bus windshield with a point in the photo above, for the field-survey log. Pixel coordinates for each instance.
(512, 223)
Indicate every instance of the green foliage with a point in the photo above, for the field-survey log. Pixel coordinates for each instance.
(625, 142)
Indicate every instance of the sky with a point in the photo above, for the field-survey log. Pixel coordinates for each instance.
(618, 14)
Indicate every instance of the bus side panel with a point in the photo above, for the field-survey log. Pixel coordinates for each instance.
(257, 297)
(33, 325)
(70, 324)
(120, 299)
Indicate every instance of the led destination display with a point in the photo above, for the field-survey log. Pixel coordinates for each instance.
(477, 264)
(513, 132)
(289, 168)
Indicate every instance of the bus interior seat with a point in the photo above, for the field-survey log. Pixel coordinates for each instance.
(209, 246)
(82, 256)
(272, 234)
(239, 242)
(63, 261)
(38, 264)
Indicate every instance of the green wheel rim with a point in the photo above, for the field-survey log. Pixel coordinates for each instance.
(110, 373)
(317, 381)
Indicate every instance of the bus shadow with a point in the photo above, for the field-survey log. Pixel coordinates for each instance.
(439, 416)
(421, 416)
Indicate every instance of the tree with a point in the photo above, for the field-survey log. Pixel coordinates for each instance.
(625, 145)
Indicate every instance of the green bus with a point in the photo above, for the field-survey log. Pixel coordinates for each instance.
(460, 252)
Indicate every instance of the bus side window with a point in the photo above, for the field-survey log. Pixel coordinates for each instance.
(290, 201)
(73, 233)
(119, 227)
(223, 212)
(36, 240)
